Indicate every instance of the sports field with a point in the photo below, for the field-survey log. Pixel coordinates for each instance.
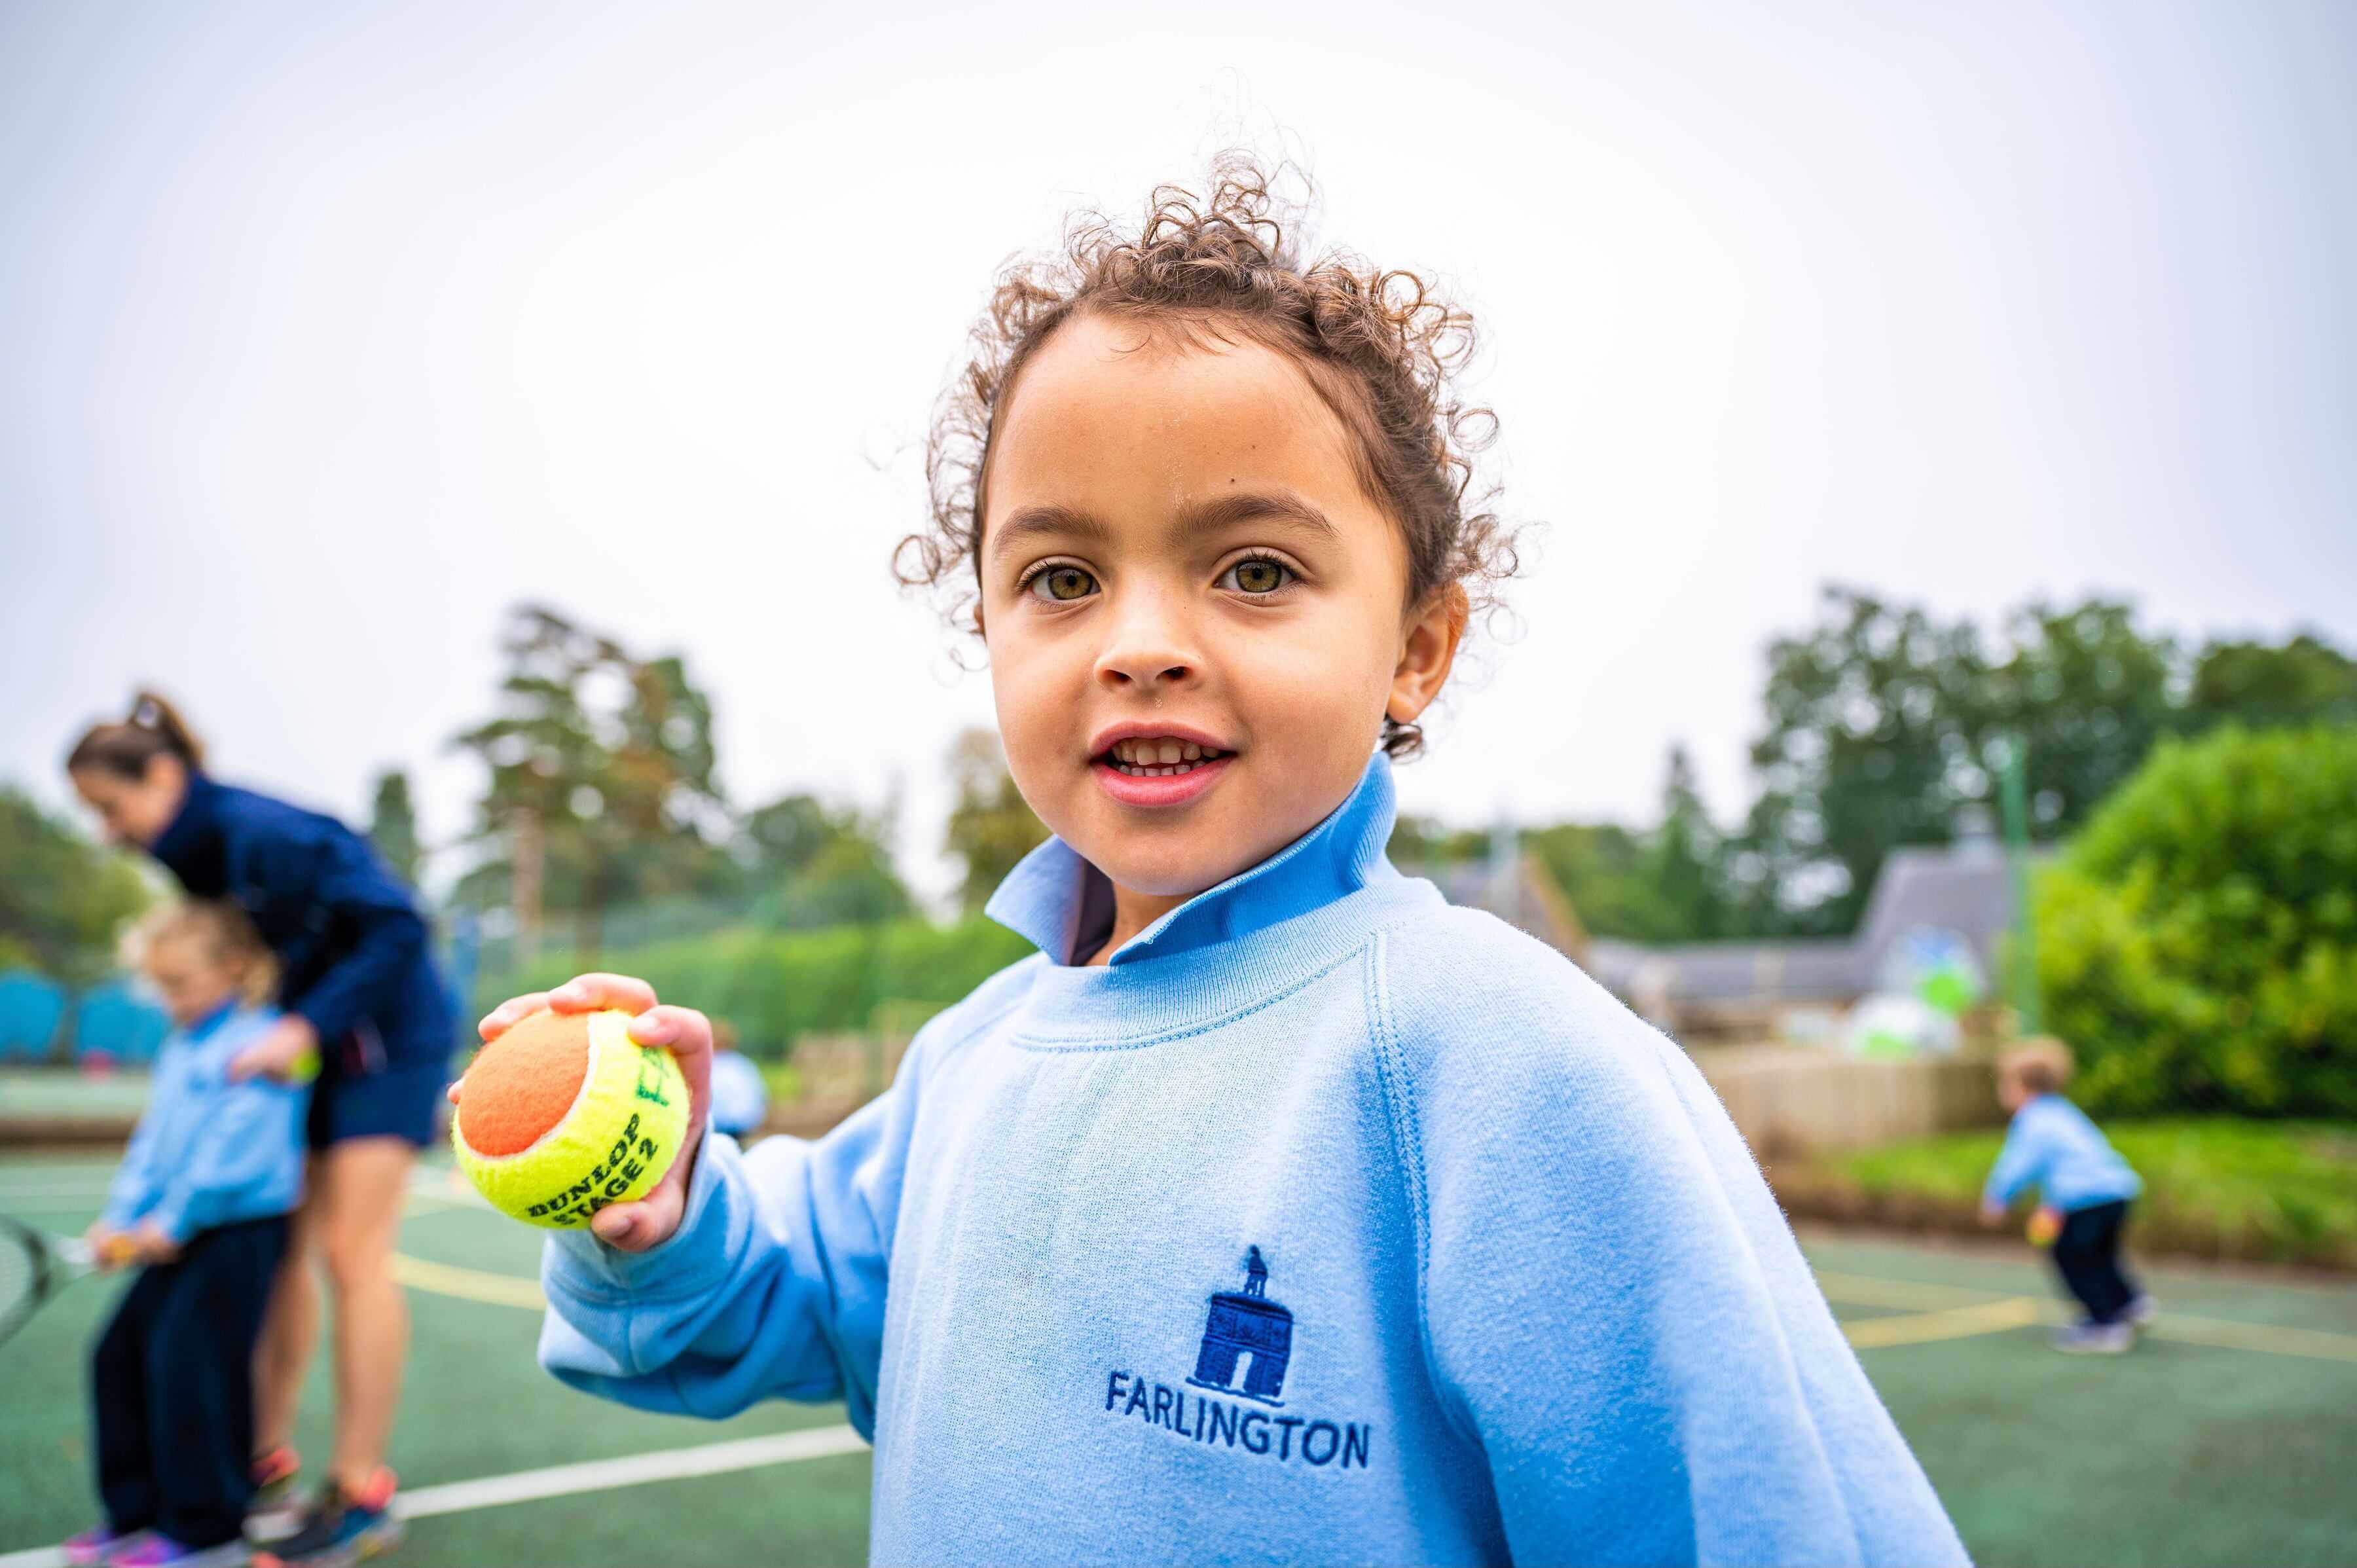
(2225, 1438)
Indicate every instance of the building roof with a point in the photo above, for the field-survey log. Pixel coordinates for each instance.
(1966, 887)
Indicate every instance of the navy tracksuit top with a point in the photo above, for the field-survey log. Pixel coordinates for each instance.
(351, 944)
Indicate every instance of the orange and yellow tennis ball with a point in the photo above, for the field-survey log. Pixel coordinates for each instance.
(565, 1113)
(2044, 1227)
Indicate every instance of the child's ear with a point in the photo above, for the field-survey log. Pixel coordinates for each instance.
(1427, 649)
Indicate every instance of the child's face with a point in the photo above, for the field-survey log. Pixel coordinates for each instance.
(191, 982)
(1177, 554)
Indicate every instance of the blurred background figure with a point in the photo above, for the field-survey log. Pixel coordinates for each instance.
(363, 1012)
(740, 1097)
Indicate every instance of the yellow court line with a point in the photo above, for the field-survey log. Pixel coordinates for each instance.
(1867, 1290)
(467, 1284)
(1952, 1312)
(2275, 1339)
(1952, 1307)
(1950, 1322)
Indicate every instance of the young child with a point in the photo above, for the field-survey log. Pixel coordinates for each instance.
(2084, 1189)
(1275, 1211)
(202, 1202)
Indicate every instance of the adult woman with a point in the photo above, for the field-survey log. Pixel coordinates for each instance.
(360, 990)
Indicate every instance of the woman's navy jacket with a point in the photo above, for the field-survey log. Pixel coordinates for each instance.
(351, 946)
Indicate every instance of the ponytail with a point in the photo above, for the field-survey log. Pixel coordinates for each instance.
(153, 728)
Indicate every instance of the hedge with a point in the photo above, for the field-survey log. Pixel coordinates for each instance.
(2197, 943)
(774, 986)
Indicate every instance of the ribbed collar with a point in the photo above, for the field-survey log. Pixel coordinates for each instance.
(190, 849)
(1226, 948)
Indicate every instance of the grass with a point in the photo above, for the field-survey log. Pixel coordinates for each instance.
(2281, 1191)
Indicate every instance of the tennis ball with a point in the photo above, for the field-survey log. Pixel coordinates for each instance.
(2044, 1227)
(565, 1113)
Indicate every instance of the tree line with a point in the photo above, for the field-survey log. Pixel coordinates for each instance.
(600, 791)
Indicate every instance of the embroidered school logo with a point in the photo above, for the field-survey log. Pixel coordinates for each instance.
(1247, 1334)
(1247, 1347)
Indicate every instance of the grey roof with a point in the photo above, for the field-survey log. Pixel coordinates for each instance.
(1966, 887)
(1815, 970)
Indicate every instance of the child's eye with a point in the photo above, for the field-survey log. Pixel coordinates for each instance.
(1061, 584)
(1256, 575)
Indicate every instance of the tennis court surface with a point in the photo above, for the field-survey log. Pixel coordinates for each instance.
(2225, 1438)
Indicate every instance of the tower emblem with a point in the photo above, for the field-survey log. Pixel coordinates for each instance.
(1246, 1340)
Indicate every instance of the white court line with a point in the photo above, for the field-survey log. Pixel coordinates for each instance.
(594, 1475)
(635, 1469)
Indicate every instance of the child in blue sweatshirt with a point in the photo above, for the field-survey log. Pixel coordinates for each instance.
(201, 1201)
(1275, 1211)
(2084, 1189)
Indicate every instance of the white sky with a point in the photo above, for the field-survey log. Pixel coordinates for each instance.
(330, 331)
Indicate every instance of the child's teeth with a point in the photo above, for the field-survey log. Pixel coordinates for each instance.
(1155, 757)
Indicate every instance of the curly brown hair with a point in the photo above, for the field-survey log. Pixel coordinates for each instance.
(1379, 348)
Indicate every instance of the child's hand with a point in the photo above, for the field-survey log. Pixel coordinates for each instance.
(283, 1053)
(1992, 1213)
(150, 1245)
(687, 1034)
(108, 1249)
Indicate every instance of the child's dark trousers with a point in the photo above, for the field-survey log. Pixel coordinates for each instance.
(172, 1382)
(2087, 1254)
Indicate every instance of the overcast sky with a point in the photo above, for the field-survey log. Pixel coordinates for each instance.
(328, 331)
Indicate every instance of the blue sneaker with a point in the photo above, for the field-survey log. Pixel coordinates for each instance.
(340, 1527)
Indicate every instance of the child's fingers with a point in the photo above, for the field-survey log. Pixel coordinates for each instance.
(591, 992)
(684, 1030)
(635, 1226)
(500, 1019)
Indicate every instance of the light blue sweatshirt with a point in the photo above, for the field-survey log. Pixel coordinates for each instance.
(1324, 1223)
(2052, 1147)
(208, 1152)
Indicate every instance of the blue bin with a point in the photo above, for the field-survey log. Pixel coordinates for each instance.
(115, 1019)
(31, 1008)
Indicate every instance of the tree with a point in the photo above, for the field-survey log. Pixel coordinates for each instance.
(1881, 722)
(2197, 942)
(2088, 692)
(1863, 751)
(810, 864)
(1684, 863)
(63, 899)
(602, 760)
(2253, 684)
(393, 825)
(990, 825)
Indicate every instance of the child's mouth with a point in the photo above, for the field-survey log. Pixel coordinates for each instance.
(1158, 756)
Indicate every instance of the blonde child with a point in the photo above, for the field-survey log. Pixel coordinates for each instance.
(2084, 1190)
(200, 1203)
(1274, 1210)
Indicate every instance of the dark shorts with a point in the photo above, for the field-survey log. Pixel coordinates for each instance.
(400, 1102)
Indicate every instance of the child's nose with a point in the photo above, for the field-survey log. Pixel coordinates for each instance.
(1149, 648)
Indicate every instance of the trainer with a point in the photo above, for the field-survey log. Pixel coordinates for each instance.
(360, 989)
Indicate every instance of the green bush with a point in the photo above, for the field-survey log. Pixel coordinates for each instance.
(776, 986)
(2196, 944)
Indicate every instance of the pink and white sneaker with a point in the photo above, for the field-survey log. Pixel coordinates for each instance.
(156, 1550)
(93, 1547)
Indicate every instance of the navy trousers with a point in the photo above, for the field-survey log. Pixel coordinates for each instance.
(172, 1382)
(2087, 1256)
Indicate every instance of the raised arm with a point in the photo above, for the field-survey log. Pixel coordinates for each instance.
(741, 1277)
